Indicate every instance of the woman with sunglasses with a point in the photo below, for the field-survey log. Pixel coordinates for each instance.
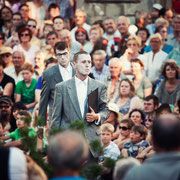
(142, 84)
(25, 35)
(125, 127)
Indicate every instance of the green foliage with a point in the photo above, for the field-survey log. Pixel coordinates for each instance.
(39, 121)
(56, 130)
(92, 171)
(77, 125)
(27, 120)
(96, 147)
(109, 163)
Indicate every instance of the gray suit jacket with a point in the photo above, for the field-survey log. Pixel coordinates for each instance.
(50, 78)
(66, 107)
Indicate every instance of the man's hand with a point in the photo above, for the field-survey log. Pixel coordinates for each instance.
(92, 116)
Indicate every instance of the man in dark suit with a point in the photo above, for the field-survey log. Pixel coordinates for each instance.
(70, 100)
(56, 74)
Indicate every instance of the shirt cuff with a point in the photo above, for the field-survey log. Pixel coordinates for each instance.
(97, 122)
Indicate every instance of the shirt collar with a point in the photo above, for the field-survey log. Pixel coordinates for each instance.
(78, 81)
(68, 67)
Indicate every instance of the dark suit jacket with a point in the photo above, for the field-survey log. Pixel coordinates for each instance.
(50, 78)
(66, 107)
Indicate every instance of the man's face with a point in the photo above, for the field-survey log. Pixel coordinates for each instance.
(63, 57)
(98, 61)
(79, 18)
(52, 40)
(16, 19)
(168, 15)
(94, 35)
(5, 109)
(32, 26)
(66, 37)
(176, 24)
(7, 57)
(17, 59)
(54, 12)
(114, 69)
(110, 26)
(122, 26)
(106, 137)
(154, 13)
(83, 65)
(149, 106)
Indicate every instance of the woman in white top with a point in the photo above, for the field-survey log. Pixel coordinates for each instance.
(29, 50)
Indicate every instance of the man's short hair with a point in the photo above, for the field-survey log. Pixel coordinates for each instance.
(166, 132)
(154, 98)
(58, 17)
(53, 6)
(141, 129)
(61, 46)
(100, 52)
(67, 151)
(107, 127)
(115, 60)
(51, 33)
(76, 56)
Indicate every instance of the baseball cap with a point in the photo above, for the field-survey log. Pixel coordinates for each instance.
(5, 50)
(157, 6)
(6, 99)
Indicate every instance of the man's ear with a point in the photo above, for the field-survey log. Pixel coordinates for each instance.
(74, 65)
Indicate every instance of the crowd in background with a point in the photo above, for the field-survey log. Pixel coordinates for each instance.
(139, 63)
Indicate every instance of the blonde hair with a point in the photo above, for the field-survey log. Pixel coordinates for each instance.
(96, 27)
(156, 35)
(136, 38)
(107, 127)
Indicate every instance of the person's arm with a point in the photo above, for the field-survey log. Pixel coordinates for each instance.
(31, 105)
(17, 97)
(124, 153)
(8, 89)
(37, 95)
(147, 92)
(16, 143)
(4, 138)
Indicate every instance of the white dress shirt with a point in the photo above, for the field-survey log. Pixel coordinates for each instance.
(81, 89)
(66, 73)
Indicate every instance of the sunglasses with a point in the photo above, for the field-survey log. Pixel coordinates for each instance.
(150, 120)
(6, 107)
(124, 128)
(24, 35)
(5, 55)
(33, 26)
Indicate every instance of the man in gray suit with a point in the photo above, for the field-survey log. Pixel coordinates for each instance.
(61, 72)
(70, 100)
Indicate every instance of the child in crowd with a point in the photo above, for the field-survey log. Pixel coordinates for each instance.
(16, 135)
(25, 89)
(111, 150)
(137, 143)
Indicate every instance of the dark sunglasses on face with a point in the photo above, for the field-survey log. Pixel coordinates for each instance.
(150, 120)
(124, 128)
(24, 35)
(5, 55)
(33, 26)
(6, 107)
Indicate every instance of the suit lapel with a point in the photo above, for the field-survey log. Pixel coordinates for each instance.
(91, 86)
(57, 74)
(73, 96)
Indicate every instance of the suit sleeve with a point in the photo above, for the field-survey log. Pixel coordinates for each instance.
(44, 99)
(103, 110)
(57, 108)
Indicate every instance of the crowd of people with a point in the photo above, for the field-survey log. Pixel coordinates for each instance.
(122, 79)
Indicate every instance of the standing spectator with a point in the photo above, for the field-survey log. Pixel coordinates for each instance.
(154, 59)
(74, 45)
(80, 21)
(25, 46)
(25, 89)
(165, 163)
(173, 38)
(100, 70)
(14, 71)
(111, 34)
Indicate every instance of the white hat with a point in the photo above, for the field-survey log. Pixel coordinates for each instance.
(114, 108)
(157, 6)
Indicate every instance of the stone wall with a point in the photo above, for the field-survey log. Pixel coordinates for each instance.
(97, 11)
